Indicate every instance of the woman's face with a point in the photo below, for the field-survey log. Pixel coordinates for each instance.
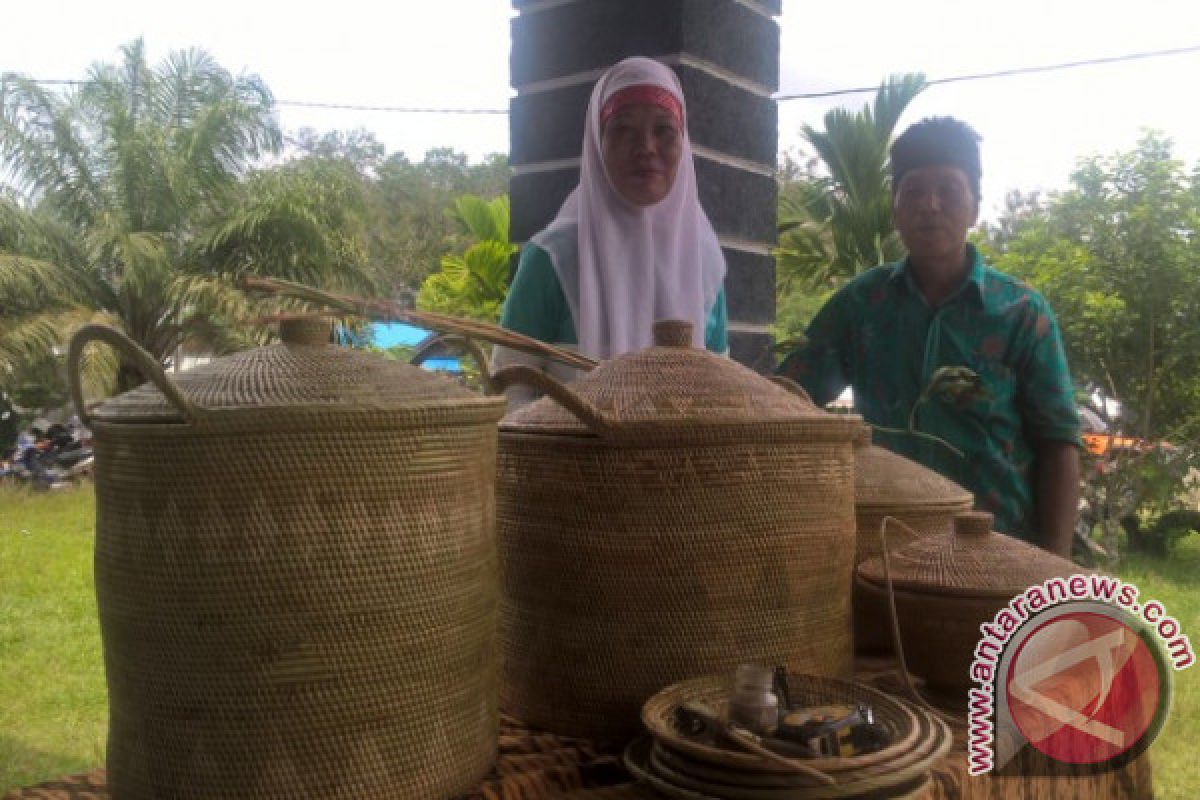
(642, 145)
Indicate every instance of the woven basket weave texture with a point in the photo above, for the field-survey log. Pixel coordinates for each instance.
(307, 611)
(972, 561)
(676, 393)
(889, 485)
(645, 553)
(947, 586)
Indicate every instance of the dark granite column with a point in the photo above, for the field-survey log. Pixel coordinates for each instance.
(726, 53)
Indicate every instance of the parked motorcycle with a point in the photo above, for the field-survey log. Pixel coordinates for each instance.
(49, 456)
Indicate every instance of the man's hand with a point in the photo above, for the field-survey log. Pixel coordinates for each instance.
(1056, 497)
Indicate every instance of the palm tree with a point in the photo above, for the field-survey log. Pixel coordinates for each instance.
(475, 283)
(837, 224)
(134, 201)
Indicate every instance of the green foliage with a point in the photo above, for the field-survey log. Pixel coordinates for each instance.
(1116, 256)
(403, 201)
(474, 283)
(835, 217)
(838, 222)
(794, 309)
(136, 205)
(412, 231)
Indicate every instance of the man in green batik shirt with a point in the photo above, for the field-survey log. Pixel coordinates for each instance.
(888, 331)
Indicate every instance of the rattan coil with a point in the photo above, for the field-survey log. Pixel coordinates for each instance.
(901, 719)
(645, 762)
(677, 761)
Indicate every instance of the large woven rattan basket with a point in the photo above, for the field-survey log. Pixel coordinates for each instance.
(672, 513)
(947, 586)
(297, 576)
(890, 485)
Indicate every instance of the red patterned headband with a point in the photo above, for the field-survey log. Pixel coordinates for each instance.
(646, 95)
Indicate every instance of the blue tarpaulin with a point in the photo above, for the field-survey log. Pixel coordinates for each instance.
(401, 334)
(397, 334)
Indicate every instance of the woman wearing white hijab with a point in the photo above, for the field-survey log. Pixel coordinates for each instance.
(631, 244)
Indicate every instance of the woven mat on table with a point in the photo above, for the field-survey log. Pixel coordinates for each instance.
(77, 787)
(532, 766)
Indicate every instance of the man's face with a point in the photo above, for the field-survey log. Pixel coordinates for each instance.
(933, 209)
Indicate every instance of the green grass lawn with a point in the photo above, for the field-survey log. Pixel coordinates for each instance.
(53, 709)
(52, 696)
(1176, 584)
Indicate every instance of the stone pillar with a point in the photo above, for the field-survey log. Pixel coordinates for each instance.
(726, 53)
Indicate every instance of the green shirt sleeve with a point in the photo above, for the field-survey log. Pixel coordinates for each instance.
(716, 329)
(820, 364)
(536, 305)
(1045, 392)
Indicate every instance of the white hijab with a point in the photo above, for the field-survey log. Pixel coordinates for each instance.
(636, 265)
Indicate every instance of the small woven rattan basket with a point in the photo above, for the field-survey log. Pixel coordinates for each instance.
(670, 514)
(296, 575)
(947, 586)
(890, 485)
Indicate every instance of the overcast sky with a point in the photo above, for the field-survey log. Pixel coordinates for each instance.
(455, 53)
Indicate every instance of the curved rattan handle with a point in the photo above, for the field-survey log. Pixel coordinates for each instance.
(469, 345)
(146, 364)
(587, 413)
(894, 619)
(793, 387)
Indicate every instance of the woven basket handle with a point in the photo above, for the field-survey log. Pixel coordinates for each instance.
(146, 364)
(894, 619)
(587, 413)
(793, 387)
(469, 345)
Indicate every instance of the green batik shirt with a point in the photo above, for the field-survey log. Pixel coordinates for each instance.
(879, 336)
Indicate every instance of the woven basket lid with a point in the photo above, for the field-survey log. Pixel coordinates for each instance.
(302, 374)
(672, 387)
(886, 481)
(972, 561)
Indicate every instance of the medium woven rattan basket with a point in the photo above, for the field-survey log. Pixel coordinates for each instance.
(670, 514)
(890, 485)
(947, 586)
(297, 576)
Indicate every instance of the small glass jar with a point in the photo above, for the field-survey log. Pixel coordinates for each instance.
(753, 704)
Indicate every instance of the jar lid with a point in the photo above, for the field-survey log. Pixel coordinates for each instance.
(974, 560)
(672, 388)
(303, 373)
(885, 481)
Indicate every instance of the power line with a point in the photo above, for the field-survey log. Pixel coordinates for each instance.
(397, 109)
(50, 81)
(1005, 73)
(316, 104)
